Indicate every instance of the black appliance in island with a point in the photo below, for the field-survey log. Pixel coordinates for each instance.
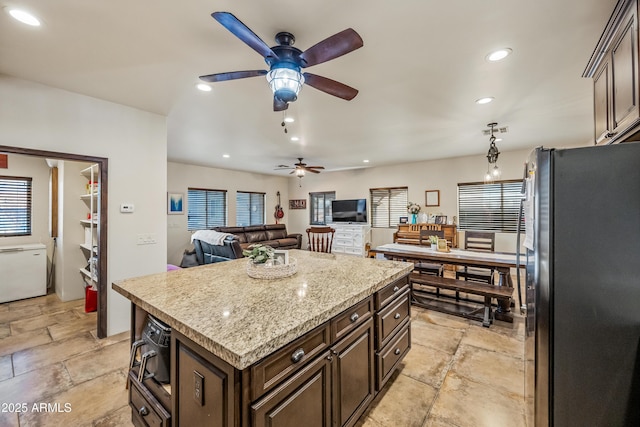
(582, 220)
(154, 345)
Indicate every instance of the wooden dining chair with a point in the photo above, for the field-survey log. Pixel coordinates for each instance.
(320, 239)
(435, 269)
(482, 242)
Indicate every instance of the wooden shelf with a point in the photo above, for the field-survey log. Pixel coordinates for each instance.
(88, 222)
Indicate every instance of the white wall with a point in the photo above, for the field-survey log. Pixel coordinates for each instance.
(180, 177)
(443, 175)
(135, 142)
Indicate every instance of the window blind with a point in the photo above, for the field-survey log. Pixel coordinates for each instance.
(15, 206)
(250, 208)
(206, 208)
(388, 205)
(489, 207)
(320, 211)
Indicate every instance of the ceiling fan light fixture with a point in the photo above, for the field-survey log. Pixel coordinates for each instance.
(299, 172)
(285, 82)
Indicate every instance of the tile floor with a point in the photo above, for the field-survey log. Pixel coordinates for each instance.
(457, 374)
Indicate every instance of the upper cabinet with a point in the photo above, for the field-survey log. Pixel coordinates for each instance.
(614, 69)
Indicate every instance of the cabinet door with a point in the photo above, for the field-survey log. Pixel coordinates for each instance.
(205, 392)
(601, 96)
(302, 400)
(625, 75)
(353, 375)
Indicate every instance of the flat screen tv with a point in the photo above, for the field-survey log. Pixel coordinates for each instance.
(354, 210)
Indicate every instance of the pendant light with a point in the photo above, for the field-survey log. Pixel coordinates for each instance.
(493, 172)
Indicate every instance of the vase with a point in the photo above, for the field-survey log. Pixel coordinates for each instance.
(414, 218)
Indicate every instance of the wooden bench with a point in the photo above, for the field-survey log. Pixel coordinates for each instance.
(421, 297)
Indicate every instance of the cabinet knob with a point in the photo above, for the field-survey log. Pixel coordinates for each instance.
(397, 352)
(297, 355)
(397, 316)
(354, 317)
(395, 289)
(143, 411)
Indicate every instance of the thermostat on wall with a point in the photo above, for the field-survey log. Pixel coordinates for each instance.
(126, 207)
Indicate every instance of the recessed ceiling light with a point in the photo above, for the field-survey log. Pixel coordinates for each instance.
(204, 87)
(498, 139)
(226, 156)
(289, 119)
(486, 100)
(24, 17)
(498, 55)
(365, 161)
(295, 138)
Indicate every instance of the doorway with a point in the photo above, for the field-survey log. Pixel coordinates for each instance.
(102, 225)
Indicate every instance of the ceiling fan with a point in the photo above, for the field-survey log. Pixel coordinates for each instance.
(300, 168)
(286, 61)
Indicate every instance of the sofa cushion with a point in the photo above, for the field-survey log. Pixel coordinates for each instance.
(289, 242)
(255, 236)
(276, 234)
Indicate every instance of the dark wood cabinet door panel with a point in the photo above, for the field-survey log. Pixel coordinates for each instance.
(389, 319)
(347, 321)
(353, 375)
(274, 368)
(205, 392)
(302, 400)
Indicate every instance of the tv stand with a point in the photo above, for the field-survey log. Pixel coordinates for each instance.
(351, 238)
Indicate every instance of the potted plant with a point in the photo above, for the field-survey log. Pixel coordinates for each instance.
(259, 253)
(413, 209)
(434, 242)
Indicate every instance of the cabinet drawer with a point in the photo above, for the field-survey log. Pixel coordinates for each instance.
(270, 371)
(387, 294)
(350, 319)
(146, 410)
(390, 356)
(390, 319)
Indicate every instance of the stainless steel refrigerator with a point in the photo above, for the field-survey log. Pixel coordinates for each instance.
(582, 349)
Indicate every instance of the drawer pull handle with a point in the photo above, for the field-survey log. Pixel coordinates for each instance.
(397, 316)
(354, 317)
(395, 289)
(397, 352)
(297, 355)
(143, 411)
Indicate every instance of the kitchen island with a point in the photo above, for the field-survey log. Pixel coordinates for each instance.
(312, 349)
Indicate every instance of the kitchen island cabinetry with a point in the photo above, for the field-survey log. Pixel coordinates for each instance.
(312, 349)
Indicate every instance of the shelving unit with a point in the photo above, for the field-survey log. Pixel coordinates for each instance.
(90, 225)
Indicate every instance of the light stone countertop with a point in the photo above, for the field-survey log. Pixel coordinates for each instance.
(241, 319)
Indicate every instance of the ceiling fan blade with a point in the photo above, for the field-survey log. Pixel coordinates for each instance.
(315, 167)
(337, 45)
(293, 171)
(312, 170)
(279, 105)
(241, 31)
(331, 87)
(233, 75)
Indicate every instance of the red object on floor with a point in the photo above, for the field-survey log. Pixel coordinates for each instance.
(90, 299)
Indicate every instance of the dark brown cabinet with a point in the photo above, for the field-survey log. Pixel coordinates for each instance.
(326, 377)
(614, 69)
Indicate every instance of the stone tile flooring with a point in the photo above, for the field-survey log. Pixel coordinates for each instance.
(457, 374)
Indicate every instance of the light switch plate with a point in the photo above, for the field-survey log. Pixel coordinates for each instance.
(127, 207)
(198, 388)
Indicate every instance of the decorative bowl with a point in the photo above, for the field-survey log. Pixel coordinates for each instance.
(272, 271)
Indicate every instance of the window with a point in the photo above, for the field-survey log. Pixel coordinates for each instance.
(489, 207)
(15, 206)
(321, 207)
(249, 208)
(388, 205)
(206, 208)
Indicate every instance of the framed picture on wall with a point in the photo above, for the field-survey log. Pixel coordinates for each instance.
(432, 198)
(298, 204)
(175, 203)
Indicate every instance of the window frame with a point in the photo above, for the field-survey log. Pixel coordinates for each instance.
(26, 196)
(251, 194)
(394, 208)
(499, 219)
(328, 217)
(207, 216)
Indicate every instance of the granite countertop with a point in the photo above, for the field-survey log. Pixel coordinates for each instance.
(241, 319)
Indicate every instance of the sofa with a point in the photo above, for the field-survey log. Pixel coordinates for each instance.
(274, 235)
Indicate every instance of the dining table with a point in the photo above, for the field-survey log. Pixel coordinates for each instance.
(502, 262)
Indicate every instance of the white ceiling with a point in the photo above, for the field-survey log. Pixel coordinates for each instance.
(420, 70)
